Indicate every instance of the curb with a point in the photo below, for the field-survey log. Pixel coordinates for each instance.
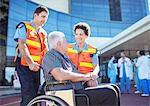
(9, 91)
(9, 95)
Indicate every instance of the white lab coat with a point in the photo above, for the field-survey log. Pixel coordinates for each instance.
(143, 65)
(127, 67)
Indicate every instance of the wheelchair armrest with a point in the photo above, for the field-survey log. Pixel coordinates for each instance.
(55, 83)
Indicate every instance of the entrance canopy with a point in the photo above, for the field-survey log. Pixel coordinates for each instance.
(135, 37)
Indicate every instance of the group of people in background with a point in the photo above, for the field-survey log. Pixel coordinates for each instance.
(126, 68)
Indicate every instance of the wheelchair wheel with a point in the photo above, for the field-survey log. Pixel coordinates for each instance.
(45, 100)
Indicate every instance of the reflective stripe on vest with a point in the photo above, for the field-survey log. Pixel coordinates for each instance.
(72, 51)
(30, 27)
(33, 43)
(35, 58)
(90, 50)
(90, 65)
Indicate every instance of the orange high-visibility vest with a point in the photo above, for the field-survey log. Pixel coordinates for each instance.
(83, 60)
(36, 43)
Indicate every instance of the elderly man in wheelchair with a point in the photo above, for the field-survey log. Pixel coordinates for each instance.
(64, 85)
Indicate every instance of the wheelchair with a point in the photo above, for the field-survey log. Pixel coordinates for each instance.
(66, 97)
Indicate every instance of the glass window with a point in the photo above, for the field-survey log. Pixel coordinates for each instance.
(17, 8)
(10, 41)
(64, 20)
(115, 31)
(11, 32)
(15, 15)
(115, 10)
(75, 21)
(10, 51)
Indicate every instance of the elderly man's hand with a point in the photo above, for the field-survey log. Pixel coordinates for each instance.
(92, 83)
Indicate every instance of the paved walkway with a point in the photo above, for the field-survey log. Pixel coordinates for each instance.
(133, 99)
(8, 91)
(126, 99)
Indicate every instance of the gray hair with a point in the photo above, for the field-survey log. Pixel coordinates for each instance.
(55, 37)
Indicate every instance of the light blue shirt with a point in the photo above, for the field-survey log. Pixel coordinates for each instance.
(95, 56)
(21, 32)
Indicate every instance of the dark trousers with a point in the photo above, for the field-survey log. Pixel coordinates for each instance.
(18, 60)
(105, 96)
(29, 81)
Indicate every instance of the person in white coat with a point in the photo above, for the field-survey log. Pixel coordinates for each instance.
(144, 72)
(136, 78)
(112, 70)
(124, 65)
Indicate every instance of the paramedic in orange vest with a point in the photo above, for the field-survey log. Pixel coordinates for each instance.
(31, 38)
(83, 55)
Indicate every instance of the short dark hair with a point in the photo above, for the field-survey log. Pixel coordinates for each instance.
(84, 26)
(142, 52)
(40, 9)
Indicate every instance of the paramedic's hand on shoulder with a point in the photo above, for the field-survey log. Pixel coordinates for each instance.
(34, 66)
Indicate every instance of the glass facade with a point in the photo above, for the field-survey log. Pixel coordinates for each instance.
(95, 12)
(111, 16)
